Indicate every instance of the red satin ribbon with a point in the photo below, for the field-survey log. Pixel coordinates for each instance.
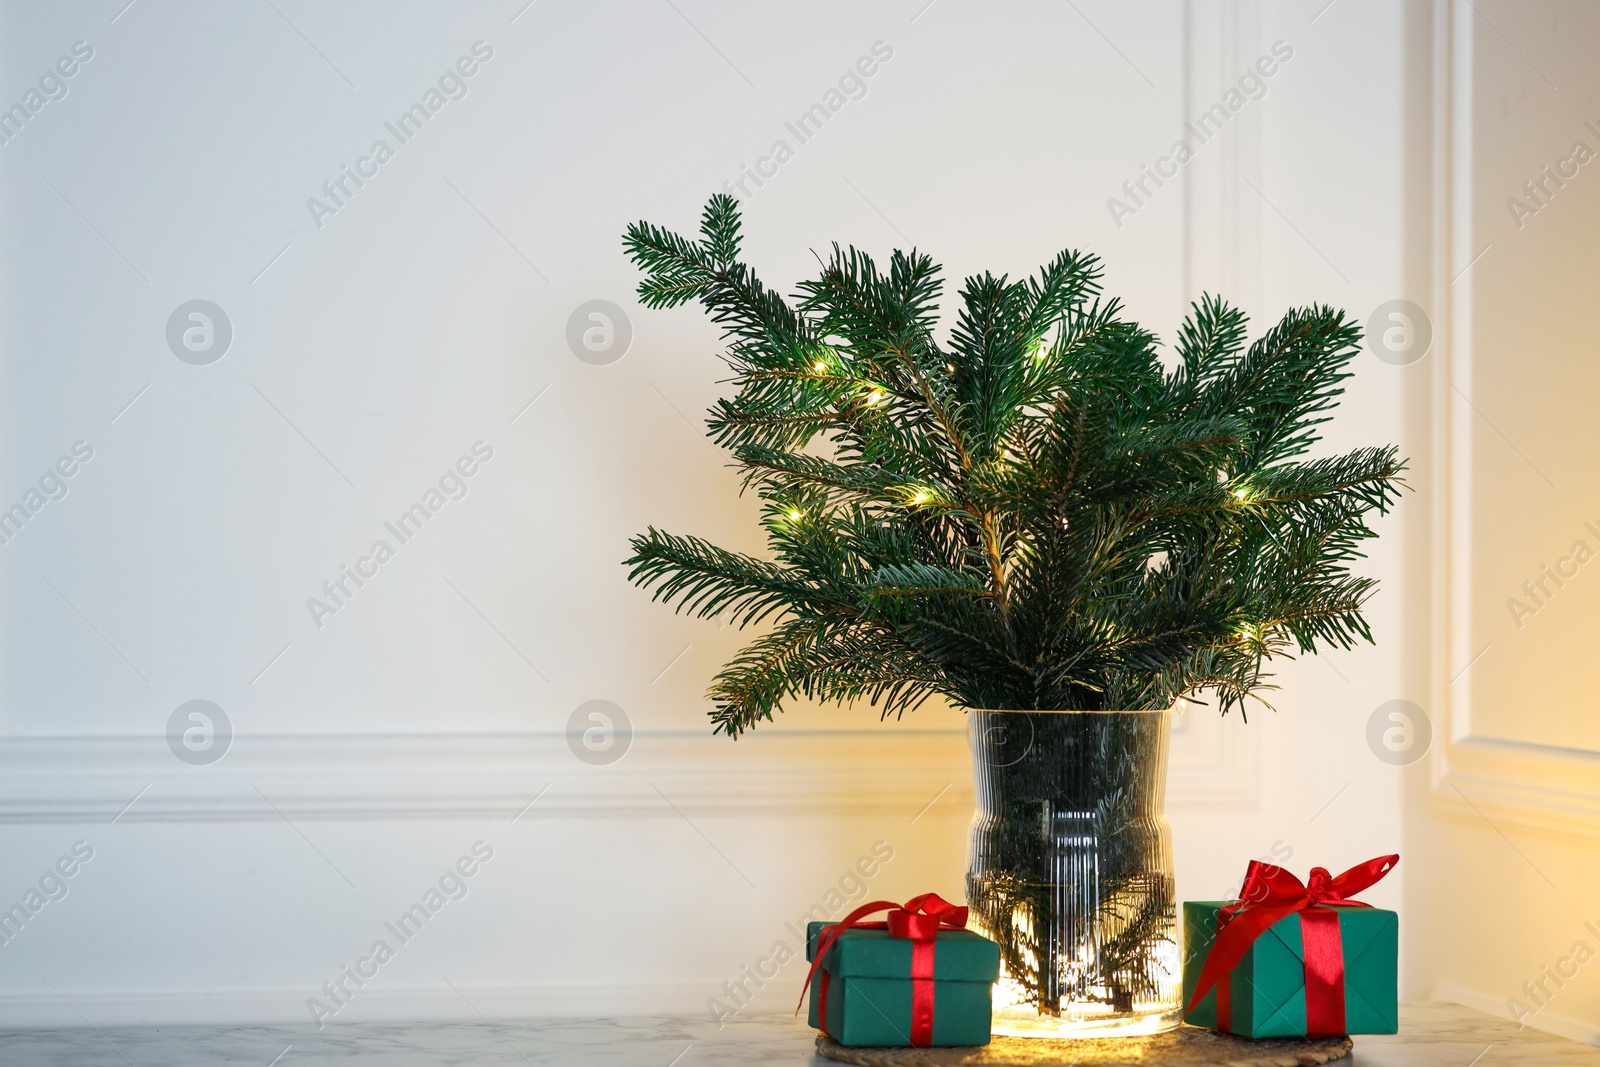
(1270, 893)
(919, 920)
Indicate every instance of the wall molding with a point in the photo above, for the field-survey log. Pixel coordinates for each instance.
(1222, 215)
(1212, 767)
(1542, 790)
(461, 776)
(443, 776)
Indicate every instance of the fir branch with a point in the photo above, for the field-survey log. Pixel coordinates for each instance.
(1036, 514)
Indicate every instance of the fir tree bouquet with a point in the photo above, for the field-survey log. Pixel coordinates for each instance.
(1033, 514)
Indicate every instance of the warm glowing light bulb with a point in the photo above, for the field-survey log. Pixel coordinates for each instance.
(794, 516)
(921, 496)
(819, 366)
(876, 398)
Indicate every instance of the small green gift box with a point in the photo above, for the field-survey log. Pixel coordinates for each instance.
(864, 992)
(1321, 968)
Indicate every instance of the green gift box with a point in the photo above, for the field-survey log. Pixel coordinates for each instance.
(1267, 990)
(864, 990)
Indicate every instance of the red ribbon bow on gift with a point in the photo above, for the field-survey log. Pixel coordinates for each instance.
(1269, 893)
(920, 919)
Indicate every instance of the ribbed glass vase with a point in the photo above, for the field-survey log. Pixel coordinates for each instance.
(1070, 870)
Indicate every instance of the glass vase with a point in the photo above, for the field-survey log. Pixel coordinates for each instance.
(1070, 870)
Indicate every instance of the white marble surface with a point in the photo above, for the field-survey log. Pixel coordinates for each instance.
(537, 1042)
(1444, 1035)
(1431, 1036)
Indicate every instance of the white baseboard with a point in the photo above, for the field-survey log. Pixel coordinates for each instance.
(288, 1007)
(1561, 1025)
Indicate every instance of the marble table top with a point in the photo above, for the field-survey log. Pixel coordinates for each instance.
(1431, 1035)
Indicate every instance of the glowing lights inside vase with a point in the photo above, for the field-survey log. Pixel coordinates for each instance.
(1015, 1015)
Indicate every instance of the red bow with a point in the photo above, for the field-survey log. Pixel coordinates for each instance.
(1270, 893)
(919, 920)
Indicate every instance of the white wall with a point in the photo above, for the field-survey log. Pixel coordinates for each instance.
(1505, 813)
(372, 351)
(1312, 214)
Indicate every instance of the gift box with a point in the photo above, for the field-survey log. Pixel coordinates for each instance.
(1301, 966)
(875, 985)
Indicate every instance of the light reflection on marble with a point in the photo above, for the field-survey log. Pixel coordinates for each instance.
(1432, 1035)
